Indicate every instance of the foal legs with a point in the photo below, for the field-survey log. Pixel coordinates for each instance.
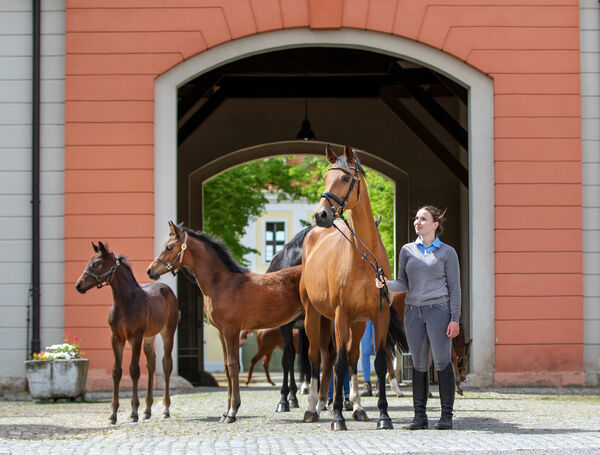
(151, 368)
(134, 372)
(287, 362)
(117, 372)
(232, 361)
(167, 334)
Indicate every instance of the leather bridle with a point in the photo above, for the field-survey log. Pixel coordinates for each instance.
(177, 259)
(99, 278)
(338, 213)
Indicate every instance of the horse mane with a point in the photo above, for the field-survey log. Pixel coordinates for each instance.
(125, 264)
(343, 163)
(218, 247)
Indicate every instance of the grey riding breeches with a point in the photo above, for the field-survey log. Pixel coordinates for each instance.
(426, 332)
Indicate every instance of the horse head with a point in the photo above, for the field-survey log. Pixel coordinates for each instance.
(170, 258)
(99, 270)
(342, 186)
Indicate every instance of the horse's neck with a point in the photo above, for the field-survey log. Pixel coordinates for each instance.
(123, 286)
(208, 268)
(362, 223)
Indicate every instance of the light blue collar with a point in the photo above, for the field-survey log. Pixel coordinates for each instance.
(428, 249)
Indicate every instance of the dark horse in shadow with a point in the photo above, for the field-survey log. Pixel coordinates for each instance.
(289, 256)
(137, 315)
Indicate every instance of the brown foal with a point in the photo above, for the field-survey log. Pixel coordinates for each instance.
(137, 315)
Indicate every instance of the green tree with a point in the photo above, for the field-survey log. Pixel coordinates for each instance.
(235, 197)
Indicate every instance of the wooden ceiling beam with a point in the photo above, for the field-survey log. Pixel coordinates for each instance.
(423, 133)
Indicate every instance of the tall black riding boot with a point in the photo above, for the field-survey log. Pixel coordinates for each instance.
(447, 384)
(420, 387)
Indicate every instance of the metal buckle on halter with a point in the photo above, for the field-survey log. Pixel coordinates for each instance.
(178, 258)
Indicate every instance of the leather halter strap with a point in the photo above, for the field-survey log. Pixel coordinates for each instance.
(178, 259)
(342, 204)
(109, 273)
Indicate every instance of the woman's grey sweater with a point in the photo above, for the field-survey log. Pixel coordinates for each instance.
(429, 278)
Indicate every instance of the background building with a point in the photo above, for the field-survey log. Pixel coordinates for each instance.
(489, 110)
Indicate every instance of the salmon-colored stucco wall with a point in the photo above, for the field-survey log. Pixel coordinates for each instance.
(116, 49)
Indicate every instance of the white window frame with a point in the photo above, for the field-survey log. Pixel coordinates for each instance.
(264, 239)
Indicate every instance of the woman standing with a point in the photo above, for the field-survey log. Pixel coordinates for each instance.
(428, 269)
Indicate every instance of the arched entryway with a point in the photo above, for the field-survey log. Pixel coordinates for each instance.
(477, 204)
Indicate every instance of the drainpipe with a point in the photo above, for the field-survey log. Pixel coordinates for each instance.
(35, 179)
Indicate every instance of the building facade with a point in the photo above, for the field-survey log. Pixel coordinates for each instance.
(139, 104)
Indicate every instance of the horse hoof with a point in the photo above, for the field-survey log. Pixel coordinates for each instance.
(460, 392)
(283, 407)
(223, 418)
(112, 420)
(229, 419)
(360, 414)
(166, 415)
(338, 425)
(147, 415)
(293, 403)
(133, 418)
(385, 424)
(310, 417)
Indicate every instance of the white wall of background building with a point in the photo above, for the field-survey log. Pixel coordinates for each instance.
(16, 44)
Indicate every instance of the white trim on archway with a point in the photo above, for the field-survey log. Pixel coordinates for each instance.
(481, 150)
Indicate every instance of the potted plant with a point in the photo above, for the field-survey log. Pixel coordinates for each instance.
(57, 372)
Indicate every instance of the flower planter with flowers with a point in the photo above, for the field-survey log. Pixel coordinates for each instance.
(57, 372)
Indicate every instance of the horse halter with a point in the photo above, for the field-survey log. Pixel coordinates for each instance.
(99, 278)
(339, 212)
(179, 258)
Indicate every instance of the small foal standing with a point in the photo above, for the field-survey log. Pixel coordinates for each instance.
(137, 315)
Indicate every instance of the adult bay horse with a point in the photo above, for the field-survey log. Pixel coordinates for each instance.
(235, 299)
(137, 315)
(337, 285)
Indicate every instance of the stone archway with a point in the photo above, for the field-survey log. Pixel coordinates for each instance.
(481, 195)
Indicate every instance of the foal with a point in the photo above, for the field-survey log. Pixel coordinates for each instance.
(137, 315)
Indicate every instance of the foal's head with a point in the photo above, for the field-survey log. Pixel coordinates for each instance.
(99, 270)
(342, 186)
(170, 257)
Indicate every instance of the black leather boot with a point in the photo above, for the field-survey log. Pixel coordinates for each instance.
(447, 388)
(420, 388)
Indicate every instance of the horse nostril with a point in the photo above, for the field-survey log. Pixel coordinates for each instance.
(149, 272)
(323, 215)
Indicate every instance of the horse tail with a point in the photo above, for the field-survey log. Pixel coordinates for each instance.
(396, 335)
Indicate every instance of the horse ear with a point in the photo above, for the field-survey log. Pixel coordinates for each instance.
(102, 248)
(175, 230)
(94, 247)
(330, 154)
(377, 221)
(349, 154)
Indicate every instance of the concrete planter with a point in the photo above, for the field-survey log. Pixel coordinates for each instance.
(54, 379)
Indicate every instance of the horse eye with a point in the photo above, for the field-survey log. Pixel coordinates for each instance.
(94, 265)
(169, 248)
(345, 178)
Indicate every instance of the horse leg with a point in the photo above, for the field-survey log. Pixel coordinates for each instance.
(232, 345)
(312, 326)
(117, 372)
(167, 334)
(224, 347)
(255, 359)
(293, 399)
(327, 347)
(134, 372)
(457, 380)
(356, 332)
(286, 332)
(340, 370)
(266, 362)
(151, 367)
(384, 422)
(392, 374)
(303, 360)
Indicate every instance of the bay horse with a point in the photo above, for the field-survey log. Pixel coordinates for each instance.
(137, 315)
(235, 299)
(337, 285)
(266, 342)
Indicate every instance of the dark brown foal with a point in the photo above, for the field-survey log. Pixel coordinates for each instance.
(137, 315)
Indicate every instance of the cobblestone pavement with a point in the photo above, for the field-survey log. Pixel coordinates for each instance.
(508, 421)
